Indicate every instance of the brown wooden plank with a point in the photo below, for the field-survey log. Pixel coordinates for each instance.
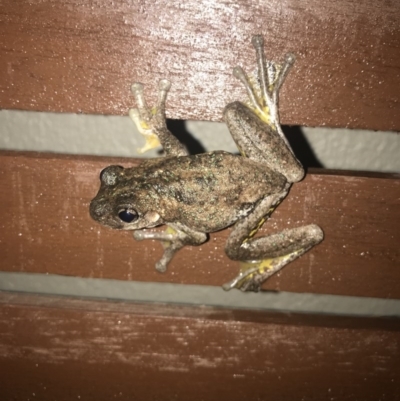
(80, 56)
(63, 349)
(46, 228)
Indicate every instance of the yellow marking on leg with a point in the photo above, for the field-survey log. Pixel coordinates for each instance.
(266, 264)
(152, 142)
(241, 151)
(254, 231)
(151, 138)
(249, 269)
(265, 114)
(168, 230)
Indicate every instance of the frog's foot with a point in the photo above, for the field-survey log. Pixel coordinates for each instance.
(169, 240)
(149, 121)
(263, 91)
(289, 244)
(172, 240)
(254, 273)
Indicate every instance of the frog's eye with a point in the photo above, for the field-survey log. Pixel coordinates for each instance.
(128, 215)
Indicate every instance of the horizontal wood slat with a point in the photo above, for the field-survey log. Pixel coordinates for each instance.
(52, 348)
(80, 56)
(46, 228)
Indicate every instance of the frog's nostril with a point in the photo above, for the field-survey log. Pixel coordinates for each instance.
(96, 210)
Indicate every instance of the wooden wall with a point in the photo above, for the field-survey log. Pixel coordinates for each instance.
(81, 56)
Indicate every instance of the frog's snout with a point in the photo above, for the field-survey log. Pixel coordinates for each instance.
(97, 209)
(100, 210)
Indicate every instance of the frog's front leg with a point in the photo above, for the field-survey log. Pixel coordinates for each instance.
(151, 122)
(263, 256)
(175, 237)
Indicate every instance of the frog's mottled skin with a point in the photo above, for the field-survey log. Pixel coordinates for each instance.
(198, 194)
(206, 192)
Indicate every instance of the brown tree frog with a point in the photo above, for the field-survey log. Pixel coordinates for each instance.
(198, 194)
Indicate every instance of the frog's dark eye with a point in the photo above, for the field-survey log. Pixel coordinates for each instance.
(110, 174)
(128, 215)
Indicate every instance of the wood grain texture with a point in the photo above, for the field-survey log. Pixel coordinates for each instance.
(46, 228)
(52, 348)
(81, 56)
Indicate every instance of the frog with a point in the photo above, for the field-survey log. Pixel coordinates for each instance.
(195, 195)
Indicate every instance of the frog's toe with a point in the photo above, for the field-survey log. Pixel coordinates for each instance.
(137, 88)
(245, 280)
(257, 41)
(161, 266)
(164, 85)
(146, 129)
(246, 284)
(290, 58)
(138, 235)
(152, 142)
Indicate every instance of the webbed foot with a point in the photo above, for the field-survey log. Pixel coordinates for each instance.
(149, 120)
(254, 273)
(263, 90)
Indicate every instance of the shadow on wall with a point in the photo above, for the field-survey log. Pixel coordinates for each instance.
(301, 147)
(178, 129)
(294, 134)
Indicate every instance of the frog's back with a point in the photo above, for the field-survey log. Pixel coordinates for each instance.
(208, 191)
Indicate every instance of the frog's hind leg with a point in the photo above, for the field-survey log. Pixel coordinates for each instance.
(151, 122)
(262, 257)
(255, 126)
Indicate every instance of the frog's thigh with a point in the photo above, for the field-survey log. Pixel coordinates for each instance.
(244, 229)
(260, 142)
(280, 244)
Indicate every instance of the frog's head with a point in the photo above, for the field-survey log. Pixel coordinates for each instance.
(116, 206)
